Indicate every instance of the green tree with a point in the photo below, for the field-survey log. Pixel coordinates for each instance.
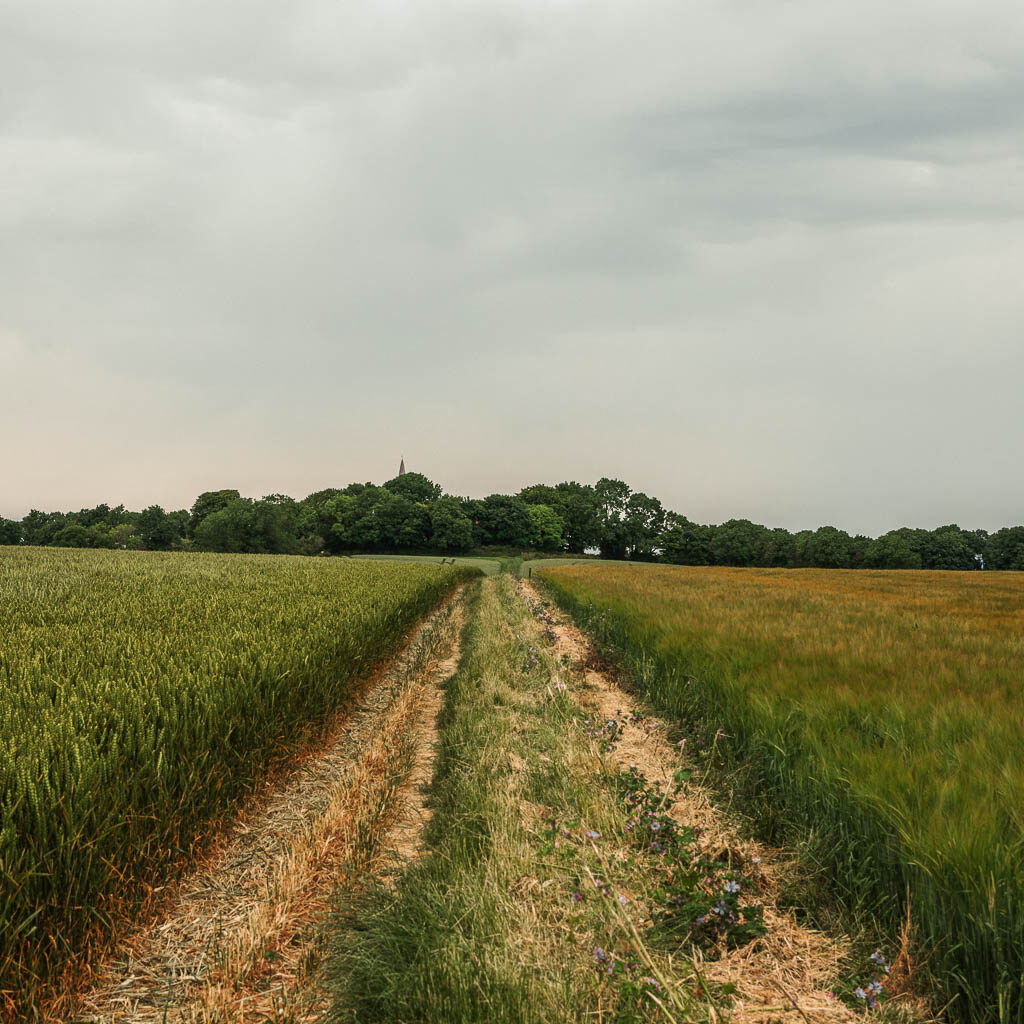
(612, 497)
(125, 537)
(156, 528)
(93, 516)
(414, 486)
(367, 519)
(978, 540)
(354, 490)
(401, 522)
(450, 527)
(685, 543)
(738, 542)
(335, 518)
(803, 541)
(1006, 548)
(40, 527)
(178, 521)
(320, 498)
(102, 536)
(577, 504)
(119, 515)
(74, 535)
(504, 520)
(366, 528)
(949, 547)
(227, 529)
(643, 522)
(892, 551)
(778, 548)
(830, 548)
(541, 494)
(473, 510)
(314, 517)
(859, 545)
(10, 531)
(207, 504)
(272, 526)
(546, 526)
(414, 534)
(102, 515)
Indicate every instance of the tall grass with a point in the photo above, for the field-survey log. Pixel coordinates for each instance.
(142, 693)
(882, 711)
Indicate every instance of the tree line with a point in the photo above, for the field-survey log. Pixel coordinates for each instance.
(410, 513)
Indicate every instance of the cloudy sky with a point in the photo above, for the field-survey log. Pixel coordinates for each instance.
(761, 258)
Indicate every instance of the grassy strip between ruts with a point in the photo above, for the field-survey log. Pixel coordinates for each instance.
(537, 899)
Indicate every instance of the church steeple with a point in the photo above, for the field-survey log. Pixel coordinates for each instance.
(401, 467)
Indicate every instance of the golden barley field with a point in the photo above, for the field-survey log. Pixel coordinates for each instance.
(882, 711)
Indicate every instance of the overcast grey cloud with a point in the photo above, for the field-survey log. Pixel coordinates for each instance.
(762, 258)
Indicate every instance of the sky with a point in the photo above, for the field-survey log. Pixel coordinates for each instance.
(760, 258)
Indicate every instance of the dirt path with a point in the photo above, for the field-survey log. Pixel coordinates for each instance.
(791, 965)
(243, 937)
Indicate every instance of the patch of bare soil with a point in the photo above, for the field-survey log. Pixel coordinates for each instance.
(242, 939)
(412, 812)
(791, 966)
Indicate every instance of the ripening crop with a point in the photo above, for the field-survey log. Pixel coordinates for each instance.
(883, 712)
(140, 695)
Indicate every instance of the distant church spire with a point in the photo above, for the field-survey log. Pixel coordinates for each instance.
(401, 467)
